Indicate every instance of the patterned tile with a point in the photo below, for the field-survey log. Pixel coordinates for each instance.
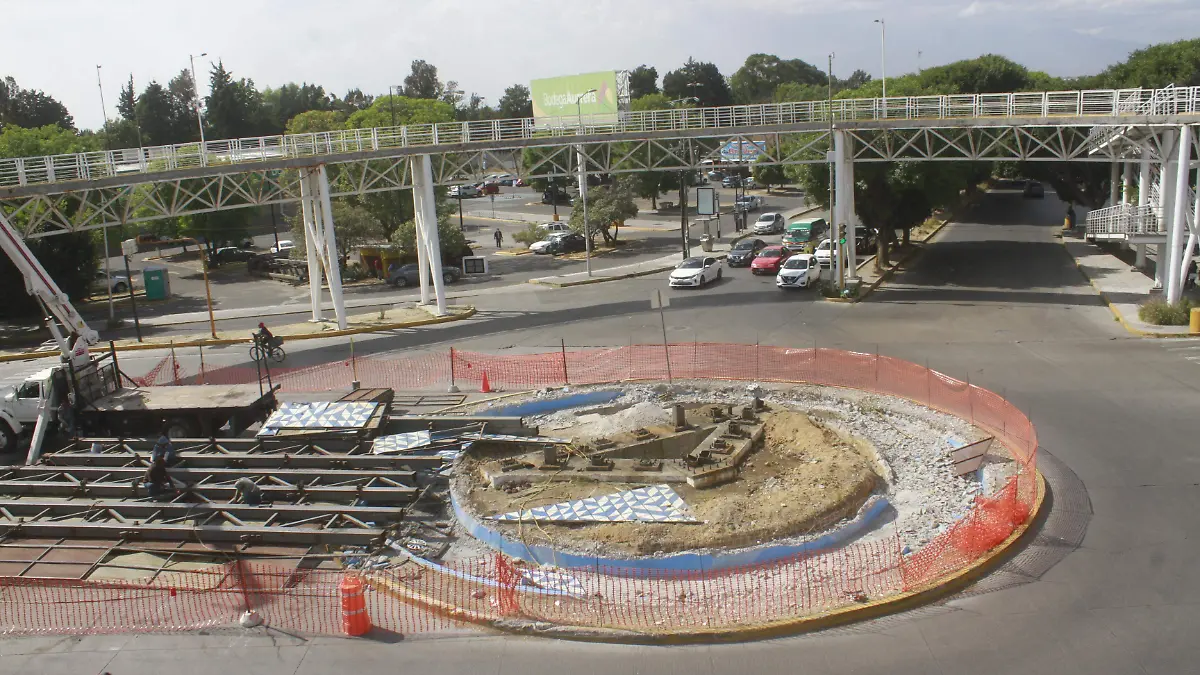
(321, 415)
(652, 504)
(473, 436)
(401, 442)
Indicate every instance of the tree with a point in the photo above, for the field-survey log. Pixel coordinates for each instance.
(182, 120)
(699, 79)
(609, 206)
(235, 107)
(762, 74)
(651, 184)
(1155, 67)
(30, 109)
(353, 226)
(450, 238)
(768, 174)
(516, 102)
(353, 101)
(423, 82)
(127, 101)
(282, 104)
(219, 228)
(643, 81)
(314, 121)
(160, 114)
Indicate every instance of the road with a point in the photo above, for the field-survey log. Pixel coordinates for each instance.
(1108, 586)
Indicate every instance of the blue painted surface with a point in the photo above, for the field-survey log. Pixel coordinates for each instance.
(545, 407)
(681, 562)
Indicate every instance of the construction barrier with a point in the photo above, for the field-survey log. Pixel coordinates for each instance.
(433, 597)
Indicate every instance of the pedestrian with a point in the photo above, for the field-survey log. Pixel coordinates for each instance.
(66, 418)
(499, 237)
(163, 447)
(157, 479)
(247, 492)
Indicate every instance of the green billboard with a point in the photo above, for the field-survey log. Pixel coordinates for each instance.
(557, 97)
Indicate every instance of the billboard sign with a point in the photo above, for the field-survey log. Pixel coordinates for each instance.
(749, 151)
(555, 97)
(706, 202)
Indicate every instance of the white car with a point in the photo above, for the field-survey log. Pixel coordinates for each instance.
(799, 271)
(463, 191)
(544, 245)
(769, 223)
(748, 203)
(554, 227)
(824, 253)
(284, 245)
(695, 272)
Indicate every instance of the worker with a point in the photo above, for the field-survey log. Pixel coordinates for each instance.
(66, 418)
(499, 237)
(246, 492)
(163, 447)
(157, 479)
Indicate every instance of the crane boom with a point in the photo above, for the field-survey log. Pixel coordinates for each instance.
(39, 284)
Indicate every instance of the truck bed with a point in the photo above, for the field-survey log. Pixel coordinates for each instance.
(181, 398)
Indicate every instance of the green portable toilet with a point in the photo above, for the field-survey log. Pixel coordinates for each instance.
(157, 283)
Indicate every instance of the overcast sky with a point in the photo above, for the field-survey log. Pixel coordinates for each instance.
(487, 45)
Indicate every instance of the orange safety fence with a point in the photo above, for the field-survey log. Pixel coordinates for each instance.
(415, 598)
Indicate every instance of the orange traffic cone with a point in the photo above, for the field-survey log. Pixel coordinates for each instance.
(355, 620)
(486, 387)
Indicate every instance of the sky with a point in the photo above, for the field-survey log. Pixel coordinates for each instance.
(488, 45)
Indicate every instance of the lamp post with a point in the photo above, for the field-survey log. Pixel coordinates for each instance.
(583, 186)
(683, 206)
(196, 97)
(883, 52)
(108, 145)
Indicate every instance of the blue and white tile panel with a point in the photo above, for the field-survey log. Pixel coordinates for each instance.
(652, 504)
(474, 436)
(320, 415)
(401, 442)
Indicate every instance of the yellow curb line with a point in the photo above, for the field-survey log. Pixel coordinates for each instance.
(1133, 330)
(513, 253)
(933, 591)
(210, 342)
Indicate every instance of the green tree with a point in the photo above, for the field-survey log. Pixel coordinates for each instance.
(450, 238)
(709, 84)
(282, 104)
(1155, 67)
(516, 102)
(423, 81)
(353, 101)
(353, 226)
(314, 121)
(762, 74)
(768, 174)
(643, 81)
(235, 108)
(609, 206)
(29, 108)
(127, 101)
(159, 117)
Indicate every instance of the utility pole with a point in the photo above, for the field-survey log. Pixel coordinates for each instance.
(104, 110)
(883, 52)
(196, 98)
(583, 184)
(836, 267)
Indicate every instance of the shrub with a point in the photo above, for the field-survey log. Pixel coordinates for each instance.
(1159, 312)
(531, 234)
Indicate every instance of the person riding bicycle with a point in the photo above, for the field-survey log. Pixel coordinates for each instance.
(266, 338)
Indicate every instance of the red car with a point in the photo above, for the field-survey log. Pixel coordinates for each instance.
(769, 259)
(489, 188)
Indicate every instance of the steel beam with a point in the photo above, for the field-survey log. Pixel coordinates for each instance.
(252, 461)
(336, 536)
(198, 474)
(399, 496)
(151, 511)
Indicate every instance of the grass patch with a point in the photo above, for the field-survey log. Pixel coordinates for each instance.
(1159, 312)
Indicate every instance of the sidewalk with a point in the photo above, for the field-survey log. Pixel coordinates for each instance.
(1122, 286)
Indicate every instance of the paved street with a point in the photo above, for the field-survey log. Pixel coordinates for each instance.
(1109, 586)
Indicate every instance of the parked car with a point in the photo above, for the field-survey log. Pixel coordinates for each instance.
(505, 179)
(769, 223)
(554, 227)
(229, 254)
(747, 203)
(543, 246)
(569, 242)
(744, 251)
(561, 196)
(695, 272)
(750, 183)
(117, 282)
(1033, 190)
(716, 175)
(487, 188)
(463, 191)
(769, 259)
(284, 245)
(410, 275)
(799, 271)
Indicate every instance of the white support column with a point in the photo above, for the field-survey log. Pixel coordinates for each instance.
(1190, 252)
(308, 216)
(1179, 203)
(1143, 200)
(841, 208)
(1166, 210)
(849, 212)
(1127, 184)
(1114, 184)
(419, 240)
(333, 271)
(425, 207)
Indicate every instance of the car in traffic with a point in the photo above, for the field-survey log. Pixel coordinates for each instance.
(732, 180)
(410, 275)
(695, 272)
(569, 242)
(769, 260)
(229, 254)
(744, 251)
(803, 233)
(117, 282)
(543, 246)
(746, 203)
(1033, 190)
(769, 223)
(283, 246)
(463, 191)
(824, 253)
(799, 271)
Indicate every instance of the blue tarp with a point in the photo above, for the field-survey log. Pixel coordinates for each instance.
(547, 406)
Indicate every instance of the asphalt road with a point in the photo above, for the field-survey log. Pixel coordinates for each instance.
(1108, 586)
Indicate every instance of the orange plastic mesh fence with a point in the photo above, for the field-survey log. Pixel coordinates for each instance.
(412, 598)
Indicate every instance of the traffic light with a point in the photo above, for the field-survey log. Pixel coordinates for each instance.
(842, 233)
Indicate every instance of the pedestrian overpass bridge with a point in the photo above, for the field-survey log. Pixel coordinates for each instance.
(1153, 129)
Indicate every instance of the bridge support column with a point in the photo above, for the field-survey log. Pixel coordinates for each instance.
(1143, 199)
(1179, 207)
(1114, 184)
(429, 247)
(843, 212)
(1127, 184)
(1166, 211)
(320, 243)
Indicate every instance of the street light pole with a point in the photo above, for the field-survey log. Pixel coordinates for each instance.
(683, 202)
(883, 52)
(583, 186)
(196, 97)
(107, 269)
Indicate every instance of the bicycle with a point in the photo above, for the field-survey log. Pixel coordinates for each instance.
(273, 351)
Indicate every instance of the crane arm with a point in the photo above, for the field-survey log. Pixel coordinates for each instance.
(39, 284)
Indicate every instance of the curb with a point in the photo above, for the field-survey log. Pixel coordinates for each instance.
(905, 601)
(599, 280)
(1133, 330)
(209, 342)
(889, 273)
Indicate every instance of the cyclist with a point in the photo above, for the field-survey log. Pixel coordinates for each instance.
(266, 338)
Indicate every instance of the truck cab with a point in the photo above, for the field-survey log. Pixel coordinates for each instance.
(20, 407)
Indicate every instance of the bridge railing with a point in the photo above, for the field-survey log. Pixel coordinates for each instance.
(1055, 104)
